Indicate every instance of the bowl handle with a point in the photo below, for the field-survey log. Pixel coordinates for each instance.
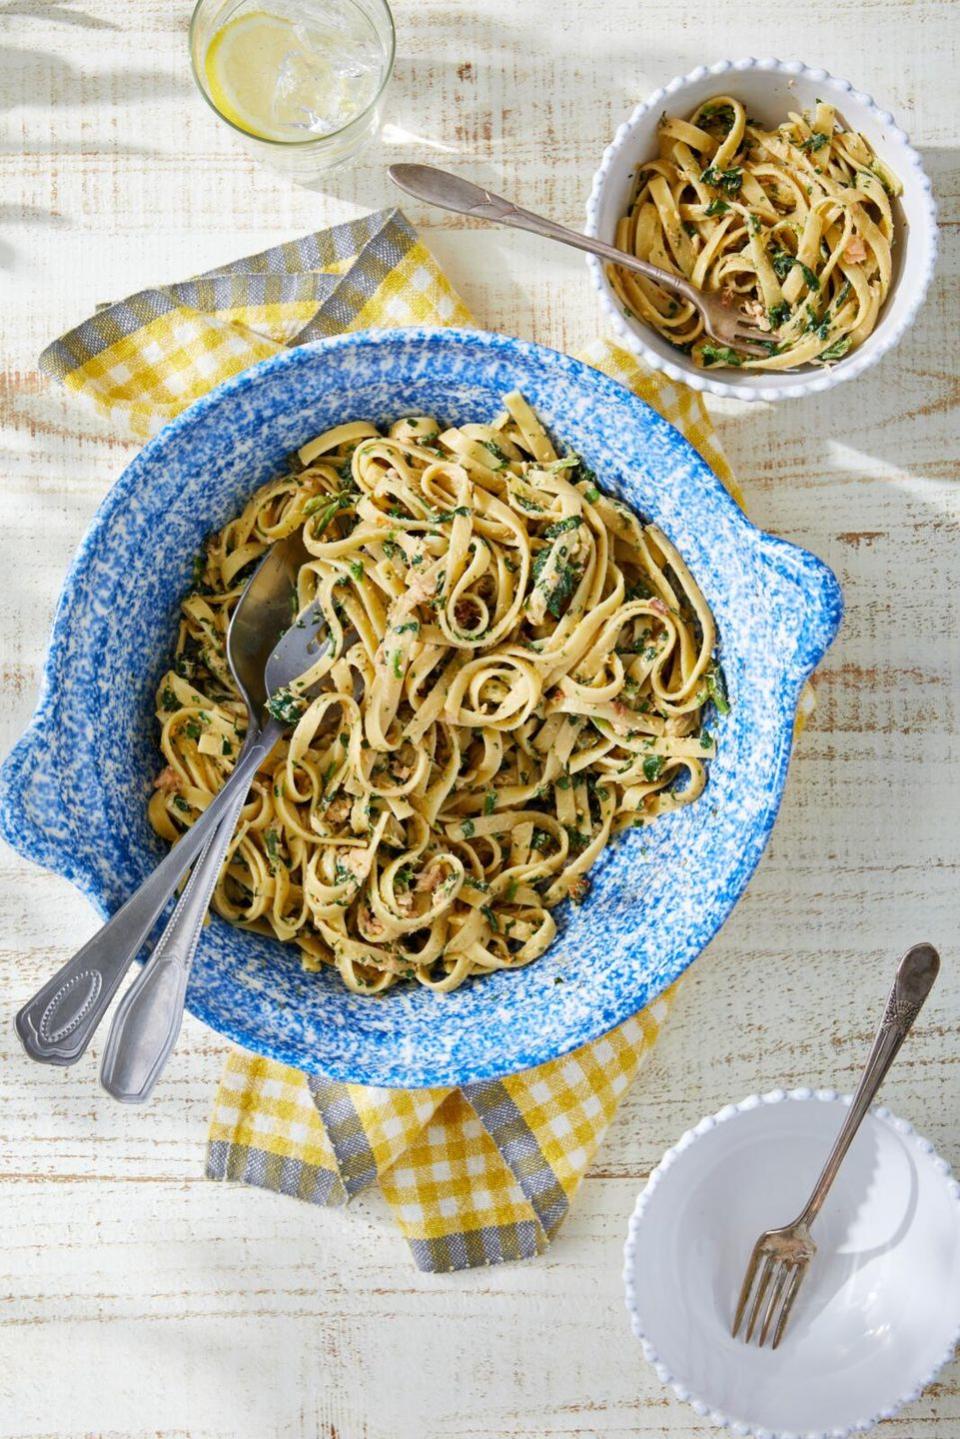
(805, 601)
(33, 816)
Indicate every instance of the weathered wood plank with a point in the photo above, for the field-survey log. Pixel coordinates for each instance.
(135, 1299)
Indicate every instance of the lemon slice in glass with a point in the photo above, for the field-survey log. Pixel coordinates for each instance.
(242, 66)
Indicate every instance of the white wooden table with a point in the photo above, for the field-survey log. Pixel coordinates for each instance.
(135, 1298)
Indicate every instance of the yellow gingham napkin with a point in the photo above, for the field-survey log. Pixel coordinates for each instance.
(476, 1175)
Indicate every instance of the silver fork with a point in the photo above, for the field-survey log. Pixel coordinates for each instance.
(147, 1020)
(725, 323)
(57, 1024)
(781, 1257)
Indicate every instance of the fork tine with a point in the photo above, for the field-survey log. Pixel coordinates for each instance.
(749, 348)
(751, 332)
(763, 1284)
(745, 1288)
(796, 1280)
(774, 1301)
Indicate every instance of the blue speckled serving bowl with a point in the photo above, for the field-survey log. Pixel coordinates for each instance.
(73, 792)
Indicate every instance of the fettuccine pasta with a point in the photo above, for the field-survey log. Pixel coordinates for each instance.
(519, 669)
(792, 225)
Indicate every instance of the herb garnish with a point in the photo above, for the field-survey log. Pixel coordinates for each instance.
(326, 506)
(837, 350)
(498, 454)
(561, 527)
(717, 690)
(729, 181)
(720, 355)
(652, 766)
(286, 707)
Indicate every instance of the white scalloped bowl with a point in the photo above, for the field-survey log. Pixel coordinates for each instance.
(879, 1311)
(769, 88)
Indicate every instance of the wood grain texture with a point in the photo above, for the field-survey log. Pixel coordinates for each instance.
(137, 1300)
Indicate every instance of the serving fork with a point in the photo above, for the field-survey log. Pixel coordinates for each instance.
(725, 323)
(781, 1257)
(147, 1020)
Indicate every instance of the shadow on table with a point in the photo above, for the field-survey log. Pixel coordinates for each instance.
(38, 78)
(53, 10)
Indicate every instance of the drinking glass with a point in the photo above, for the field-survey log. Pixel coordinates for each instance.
(301, 83)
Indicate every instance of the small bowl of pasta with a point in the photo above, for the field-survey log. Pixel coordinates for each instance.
(786, 192)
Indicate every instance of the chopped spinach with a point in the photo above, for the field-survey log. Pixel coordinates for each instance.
(782, 262)
(498, 454)
(716, 116)
(561, 527)
(729, 181)
(490, 917)
(837, 350)
(652, 767)
(818, 325)
(720, 355)
(326, 506)
(286, 707)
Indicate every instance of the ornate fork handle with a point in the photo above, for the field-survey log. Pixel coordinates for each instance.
(148, 1018)
(57, 1024)
(450, 192)
(915, 976)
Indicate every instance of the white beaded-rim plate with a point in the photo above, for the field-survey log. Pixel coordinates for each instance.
(769, 89)
(879, 1311)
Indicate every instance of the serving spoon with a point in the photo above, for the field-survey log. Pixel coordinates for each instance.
(724, 323)
(57, 1024)
(148, 1018)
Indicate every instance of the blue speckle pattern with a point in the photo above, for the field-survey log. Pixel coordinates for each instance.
(73, 791)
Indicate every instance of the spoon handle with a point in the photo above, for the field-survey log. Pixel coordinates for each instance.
(916, 973)
(451, 192)
(57, 1024)
(148, 1018)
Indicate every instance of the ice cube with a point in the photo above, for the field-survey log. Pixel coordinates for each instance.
(330, 73)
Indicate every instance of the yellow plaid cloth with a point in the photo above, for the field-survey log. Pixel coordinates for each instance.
(475, 1175)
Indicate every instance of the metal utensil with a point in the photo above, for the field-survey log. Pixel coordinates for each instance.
(56, 1025)
(724, 323)
(148, 1018)
(781, 1257)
